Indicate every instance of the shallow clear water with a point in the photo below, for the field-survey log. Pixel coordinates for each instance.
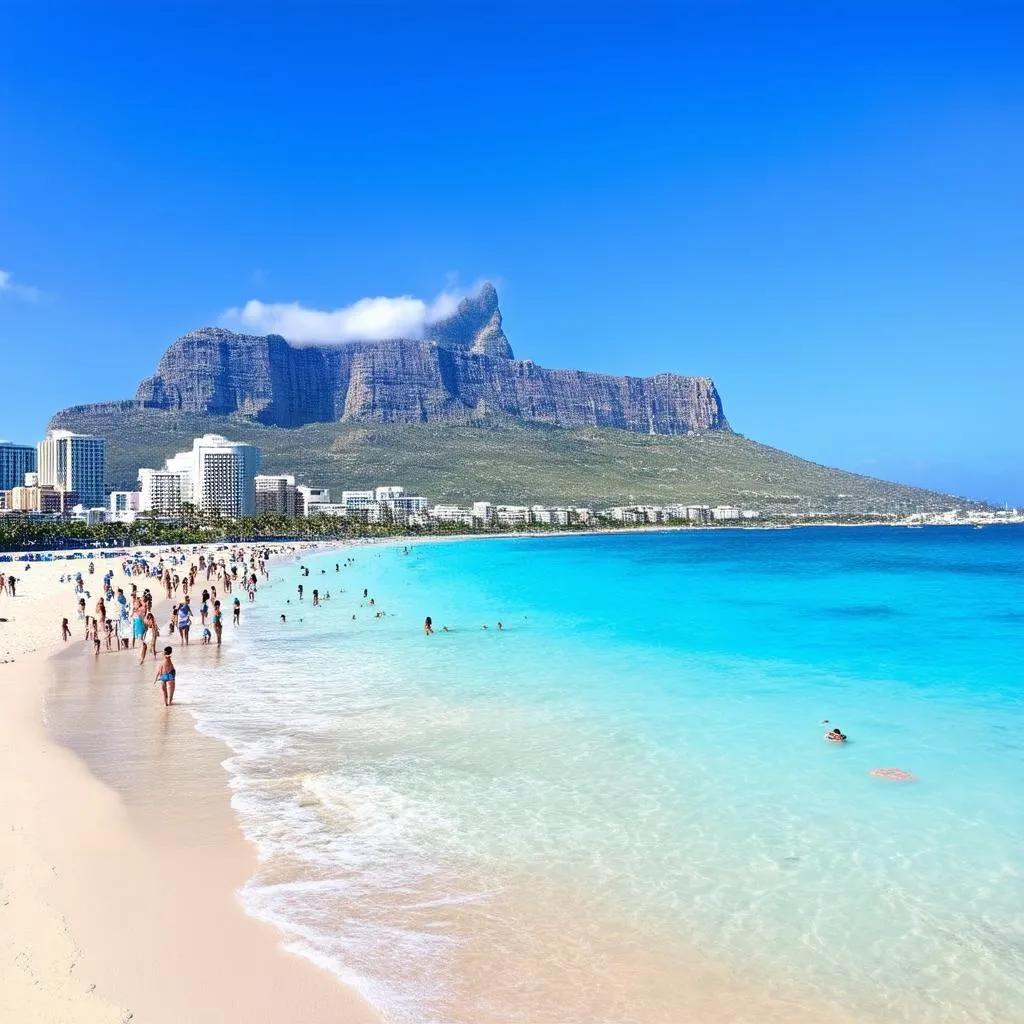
(631, 775)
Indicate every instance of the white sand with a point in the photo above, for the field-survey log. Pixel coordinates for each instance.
(100, 921)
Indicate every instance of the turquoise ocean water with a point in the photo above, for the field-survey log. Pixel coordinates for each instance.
(543, 823)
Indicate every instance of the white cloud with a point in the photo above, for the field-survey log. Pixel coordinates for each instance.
(8, 286)
(370, 319)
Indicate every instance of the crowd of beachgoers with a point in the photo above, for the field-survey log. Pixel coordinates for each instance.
(127, 601)
(119, 612)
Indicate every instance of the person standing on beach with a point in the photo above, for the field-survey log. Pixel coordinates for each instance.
(138, 626)
(149, 636)
(65, 630)
(165, 675)
(218, 621)
(184, 621)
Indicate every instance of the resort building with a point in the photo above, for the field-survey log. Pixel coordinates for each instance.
(358, 503)
(725, 512)
(512, 515)
(276, 494)
(74, 462)
(451, 514)
(383, 505)
(400, 504)
(222, 475)
(89, 516)
(164, 491)
(541, 515)
(39, 498)
(216, 476)
(329, 508)
(309, 499)
(15, 461)
(123, 506)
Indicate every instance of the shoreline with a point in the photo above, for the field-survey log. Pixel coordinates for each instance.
(300, 544)
(90, 932)
(112, 911)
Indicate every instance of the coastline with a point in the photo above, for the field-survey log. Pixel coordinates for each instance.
(111, 911)
(297, 545)
(118, 895)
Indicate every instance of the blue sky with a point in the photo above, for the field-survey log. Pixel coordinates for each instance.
(818, 204)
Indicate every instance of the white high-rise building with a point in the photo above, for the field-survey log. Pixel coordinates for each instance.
(164, 491)
(223, 473)
(276, 494)
(216, 476)
(310, 499)
(74, 462)
(15, 461)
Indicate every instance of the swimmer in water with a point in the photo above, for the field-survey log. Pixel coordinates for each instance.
(835, 736)
(283, 619)
(893, 774)
(428, 626)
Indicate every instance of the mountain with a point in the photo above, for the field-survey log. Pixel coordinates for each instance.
(461, 371)
(455, 417)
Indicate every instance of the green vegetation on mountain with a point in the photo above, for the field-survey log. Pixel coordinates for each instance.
(511, 462)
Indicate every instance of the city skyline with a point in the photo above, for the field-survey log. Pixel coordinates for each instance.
(818, 209)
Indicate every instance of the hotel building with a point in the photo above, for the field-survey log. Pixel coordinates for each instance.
(15, 461)
(216, 476)
(223, 474)
(276, 494)
(164, 491)
(308, 500)
(74, 462)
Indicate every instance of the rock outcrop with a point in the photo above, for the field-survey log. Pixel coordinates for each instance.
(462, 370)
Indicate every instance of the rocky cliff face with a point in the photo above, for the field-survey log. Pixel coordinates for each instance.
(462, 370)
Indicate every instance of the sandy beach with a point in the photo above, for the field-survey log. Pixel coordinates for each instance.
(115, 909)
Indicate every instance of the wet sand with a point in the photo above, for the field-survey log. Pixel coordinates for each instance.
(147, 857)
(533, 954)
